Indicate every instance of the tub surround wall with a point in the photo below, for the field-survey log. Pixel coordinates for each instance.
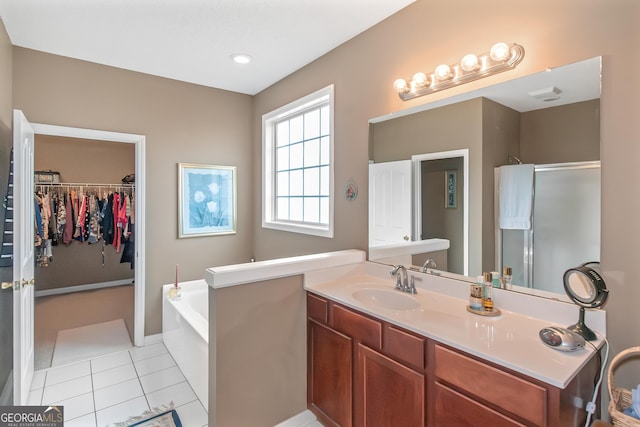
(257, 353)
(257, 338)
(185, 333)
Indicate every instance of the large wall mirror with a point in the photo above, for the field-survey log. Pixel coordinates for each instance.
(437, 172)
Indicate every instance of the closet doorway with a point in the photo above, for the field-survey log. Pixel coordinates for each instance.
(101, 277)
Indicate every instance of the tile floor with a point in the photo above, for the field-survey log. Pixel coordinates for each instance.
(110, 389)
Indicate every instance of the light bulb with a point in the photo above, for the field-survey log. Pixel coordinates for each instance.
(400, 86)
(442, 72)
(499, 52)
(469, 62)
(420, 80)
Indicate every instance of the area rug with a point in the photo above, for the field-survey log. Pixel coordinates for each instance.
(158, 417)
(87, 342)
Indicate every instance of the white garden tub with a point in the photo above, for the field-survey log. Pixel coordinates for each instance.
(185, 332)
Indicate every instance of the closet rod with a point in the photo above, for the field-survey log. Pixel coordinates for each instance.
(80, 184)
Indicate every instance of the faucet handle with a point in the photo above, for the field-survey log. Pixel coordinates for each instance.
(393, 272)
(412, 286)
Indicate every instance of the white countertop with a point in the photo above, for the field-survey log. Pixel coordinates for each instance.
(408, 248)
(510, 340)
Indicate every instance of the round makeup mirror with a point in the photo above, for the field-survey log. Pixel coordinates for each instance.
(585, 286)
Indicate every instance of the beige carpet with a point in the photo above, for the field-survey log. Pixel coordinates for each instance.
(58, 312)
(88, 342)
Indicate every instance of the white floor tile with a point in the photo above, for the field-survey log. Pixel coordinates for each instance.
(120, 413)
(193, 414)
(88, 420)
(78, 406)
(179, 394)
(111, 361)
(154, 364)
(145, 352)
(67, 389)
(35, 397)
(113, 376)
(118, 393)
(38, 379)
(161, 379)
(66, 373)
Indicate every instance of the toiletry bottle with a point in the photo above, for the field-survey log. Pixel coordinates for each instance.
(507, 274)
(475, 297)
(487, 297)
(495, 279)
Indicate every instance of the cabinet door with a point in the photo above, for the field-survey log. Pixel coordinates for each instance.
(387, 392)
(329, 371)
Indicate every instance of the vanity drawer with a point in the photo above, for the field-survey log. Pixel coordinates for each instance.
(362, 328)
(317, 308)
(404, 346)
(515, 395)
(454, 409)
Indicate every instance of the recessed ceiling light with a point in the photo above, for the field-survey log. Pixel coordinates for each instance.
(241, 58)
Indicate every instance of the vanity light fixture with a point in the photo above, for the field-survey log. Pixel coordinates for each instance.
(501, 57)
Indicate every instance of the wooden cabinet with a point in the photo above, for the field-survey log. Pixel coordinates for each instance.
(467, 391)
(387, 393)
(329, 375)
(363, 371)
(359, 371)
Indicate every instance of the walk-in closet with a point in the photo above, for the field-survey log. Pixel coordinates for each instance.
(85, 237)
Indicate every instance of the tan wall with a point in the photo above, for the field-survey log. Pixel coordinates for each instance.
(500, 138)
(182, 123)
(257, 353)
(427, 33)
(569, 133)
(83, 161)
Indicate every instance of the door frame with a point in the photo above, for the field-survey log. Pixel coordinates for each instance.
(139, 141)
(417, 159)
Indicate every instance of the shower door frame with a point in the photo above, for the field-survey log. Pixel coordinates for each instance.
(528, 256)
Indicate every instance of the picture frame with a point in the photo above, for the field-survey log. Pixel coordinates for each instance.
(206, 200)
(450, 185)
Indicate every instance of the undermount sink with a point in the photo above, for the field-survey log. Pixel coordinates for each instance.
(390, 299)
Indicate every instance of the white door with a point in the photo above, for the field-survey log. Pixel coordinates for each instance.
(390, 204)
(23, 257)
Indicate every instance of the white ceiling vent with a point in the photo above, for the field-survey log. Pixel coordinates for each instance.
(547, 94)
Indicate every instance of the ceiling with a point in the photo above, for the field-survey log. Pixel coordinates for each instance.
(193, 40)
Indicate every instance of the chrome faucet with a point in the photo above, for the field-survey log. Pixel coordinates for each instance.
(402, 279)
(428, 267)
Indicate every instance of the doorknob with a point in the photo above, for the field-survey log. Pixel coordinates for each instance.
(28, 282)
(7, 285)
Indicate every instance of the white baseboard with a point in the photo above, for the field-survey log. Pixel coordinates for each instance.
(152, 339)
(78, 288)
(6, 391)
(304, 418)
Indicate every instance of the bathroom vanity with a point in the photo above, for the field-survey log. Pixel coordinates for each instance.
(379, 357)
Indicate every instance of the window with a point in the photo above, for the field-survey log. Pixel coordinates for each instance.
(297, 152)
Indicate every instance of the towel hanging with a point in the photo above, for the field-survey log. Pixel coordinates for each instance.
(516, 196)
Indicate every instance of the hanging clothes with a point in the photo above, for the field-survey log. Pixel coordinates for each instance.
(66, 214)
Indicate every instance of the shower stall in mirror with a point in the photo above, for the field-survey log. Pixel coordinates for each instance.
(565, 226)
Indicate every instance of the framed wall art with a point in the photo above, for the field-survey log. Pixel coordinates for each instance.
(450, 182)
(206, 200)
